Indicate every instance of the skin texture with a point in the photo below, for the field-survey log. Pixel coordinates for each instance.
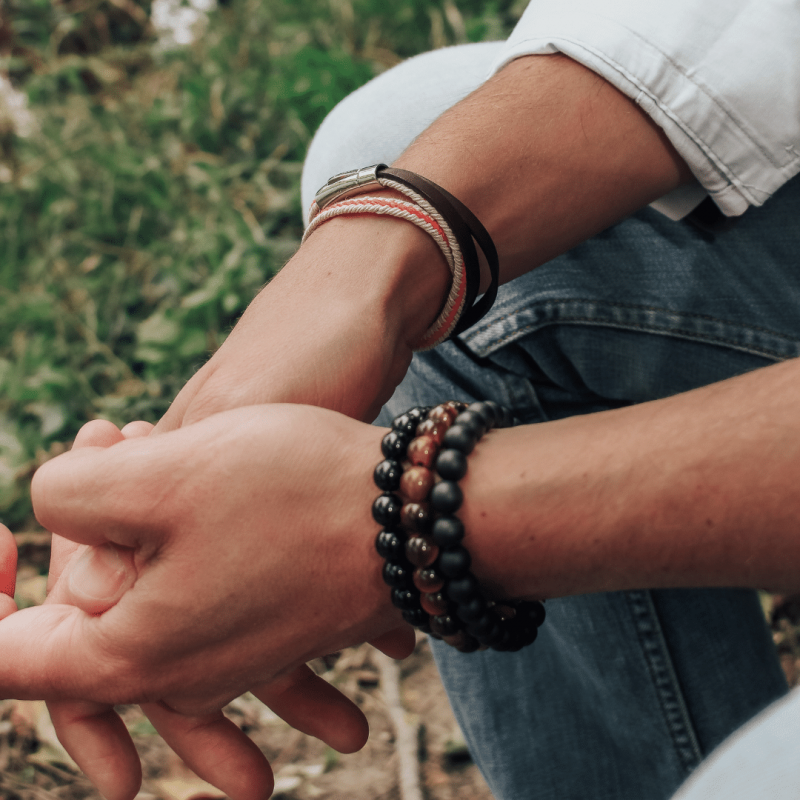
(175, 631)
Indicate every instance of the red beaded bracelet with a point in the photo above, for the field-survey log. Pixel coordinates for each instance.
(426, 563)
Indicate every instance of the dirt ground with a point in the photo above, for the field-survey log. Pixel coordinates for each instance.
(34, 766)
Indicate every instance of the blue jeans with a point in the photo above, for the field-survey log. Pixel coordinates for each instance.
(623, 694)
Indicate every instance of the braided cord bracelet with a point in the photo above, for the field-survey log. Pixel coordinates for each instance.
(426, 563)
(448, 221)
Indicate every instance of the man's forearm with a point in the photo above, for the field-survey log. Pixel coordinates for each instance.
(546, 154)
(700, 489)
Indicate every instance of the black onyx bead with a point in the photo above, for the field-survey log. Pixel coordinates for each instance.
(470, 419)
(451, 465)
(418, 413)
(394, 445)
(387, 475)
(405, 424)
(416, 617)
(505, 418)
(507, 642)
(390, 546)
(470, 644)
(485, 411)
(492, 637)
(386, 510)
(454, 562)
(483, 624)
(533, 612)
(462, 590)
(398, 575)
(461, 438)
(446, 497)
(445, 625)
(448, 531)
(472, 609)
(405, 599)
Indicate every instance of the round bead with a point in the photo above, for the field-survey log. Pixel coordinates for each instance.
(448, 531)
(445, 625)
(446, 497)
(485, 411)
(462, 590)
(422, 451)
(434, 603)
(418, 413)
(428, 580)
(394, 444)
(483, 624)
(469, 419)
(416, 483)
(470, 644)
(433, 429)
(405, 599)
(458, 639)
(533, 612)
(496, 409)
(416, 617)
(405, 424)
(421, 551)
(451, 465)
(472, 609)
(443, 413)
(493, 637)
(415, 517)
(389, 545)
(386, 510)
(461, 438)
(387, 475)
(399, 575)
(456, 406)
(454, 562)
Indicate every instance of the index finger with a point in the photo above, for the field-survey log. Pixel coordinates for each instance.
(94, 495)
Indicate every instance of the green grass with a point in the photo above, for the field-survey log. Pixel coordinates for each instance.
(157, 191)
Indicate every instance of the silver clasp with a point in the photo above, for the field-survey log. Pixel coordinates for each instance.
(347, 183)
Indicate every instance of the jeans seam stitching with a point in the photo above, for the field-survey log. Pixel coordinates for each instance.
(628, 306)
(677, 332)
(664, 678)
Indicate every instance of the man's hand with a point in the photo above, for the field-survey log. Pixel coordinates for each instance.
(130, 574)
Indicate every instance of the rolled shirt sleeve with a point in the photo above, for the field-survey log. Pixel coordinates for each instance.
(721, 77)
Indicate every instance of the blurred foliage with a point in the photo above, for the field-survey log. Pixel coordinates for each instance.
(147, 192)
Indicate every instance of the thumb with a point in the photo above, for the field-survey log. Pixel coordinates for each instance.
(96, 578)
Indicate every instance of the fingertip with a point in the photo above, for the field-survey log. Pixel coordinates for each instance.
(97, 739)
(98, 433)
(7, 606)
(137, 429)
(310, 704)
(8, 564)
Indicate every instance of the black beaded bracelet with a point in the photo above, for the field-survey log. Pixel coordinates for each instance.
(427, 565)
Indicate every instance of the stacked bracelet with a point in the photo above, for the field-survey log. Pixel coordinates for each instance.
(426, 563)
(446, 219)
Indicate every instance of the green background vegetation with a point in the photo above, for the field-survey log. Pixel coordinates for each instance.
(157, 190)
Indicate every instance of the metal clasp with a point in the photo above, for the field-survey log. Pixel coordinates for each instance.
(347, 183)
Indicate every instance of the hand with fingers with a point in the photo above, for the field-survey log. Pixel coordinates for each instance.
(197, 565)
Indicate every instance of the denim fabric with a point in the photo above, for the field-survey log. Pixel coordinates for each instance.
(623, 694)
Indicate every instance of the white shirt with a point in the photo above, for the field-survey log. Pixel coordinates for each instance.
(721, 77)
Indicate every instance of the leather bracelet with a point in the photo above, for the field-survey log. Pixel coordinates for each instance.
(466, 227)
(427, 565)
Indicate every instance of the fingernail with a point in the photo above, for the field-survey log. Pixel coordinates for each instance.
(99, 576)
